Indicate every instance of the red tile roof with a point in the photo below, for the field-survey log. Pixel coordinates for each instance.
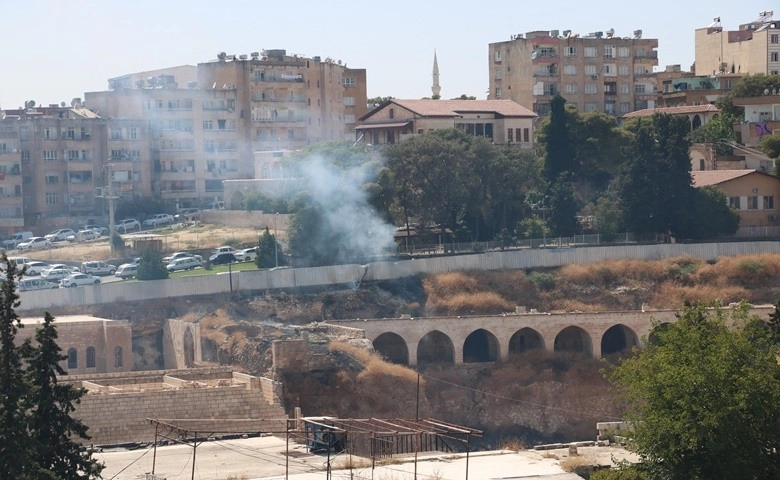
(648, 112)
(702, 178)
(451, 108)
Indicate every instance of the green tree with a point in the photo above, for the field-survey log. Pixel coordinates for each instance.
(151, 266)
(607, 217)
(558, 153)
(770, 144)
(374, 102)
(711, 215)
(702, 397)
(52, 429)
(269, 251)
(717, 133)
(747, 86)
(563, 207)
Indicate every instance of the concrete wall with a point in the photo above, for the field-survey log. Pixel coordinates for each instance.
(181, 344)
(245, 219)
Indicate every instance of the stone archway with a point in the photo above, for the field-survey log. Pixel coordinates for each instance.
(435, 347)
(392, 347)
(696, 123)
(480, 346)
(618, 338)
(524, 340)
(573, 340)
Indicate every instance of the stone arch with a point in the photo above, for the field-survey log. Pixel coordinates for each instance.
(573, 340)
(525, 339)
(435, 347)
(392, 347)
(189, 349)
(618, 338)
(653, 337)
(480, 346)
(91, 357)
(73, 359)
(696, 122)
(236, 199)
(118, 360)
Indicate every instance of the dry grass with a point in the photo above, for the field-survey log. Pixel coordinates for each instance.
(572, 305)
(350, 462)
(375, 368)
(575, 464)
(513, 444)
(469, 304)
(674, 295)
(447, 284)
(746, 270)
(212, 326)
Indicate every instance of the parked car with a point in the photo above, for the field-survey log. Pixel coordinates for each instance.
(79, 279)
(83, 236)
(127, 225)
(60, 235)
(183, 263)
(175, 255)
(158, 220)
(34, 267)
(34, 243)
(187, 215)
(57, 272)
(101, 231)
(222, 258)
(97, 268)
(246, 255)
(224, 249)
(20, 261)
(16, 239)
(126, 270)
(28, 284)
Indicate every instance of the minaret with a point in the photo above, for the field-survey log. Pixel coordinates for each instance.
(435, 88)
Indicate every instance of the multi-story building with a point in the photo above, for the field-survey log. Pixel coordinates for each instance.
(678, 89)
(596, 72)
(54, 158)
(754, 48)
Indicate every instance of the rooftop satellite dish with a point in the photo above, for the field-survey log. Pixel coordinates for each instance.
(62, 104)
(222, 56)
(610, 32)
(31, 104)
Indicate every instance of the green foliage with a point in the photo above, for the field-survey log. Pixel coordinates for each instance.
(39, 439)
(377, 101)
(682, 271)
(624, 473)
(269, 251)
(716, 132)
(259, 202)
(465, 97)
(711, 215)
(563, 207)
(558, 154)
(770, 144)
(151, 266)
(533, 227)
(747, 86)
(117, 243)
(607, 217)
(543, 280)
(703, 397)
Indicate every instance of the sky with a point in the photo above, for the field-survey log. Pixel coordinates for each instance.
(54, 51)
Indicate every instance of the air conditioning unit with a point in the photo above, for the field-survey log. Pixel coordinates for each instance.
(772, 218)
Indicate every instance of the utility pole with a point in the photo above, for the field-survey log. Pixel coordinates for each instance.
(107, 192)
(276, 242)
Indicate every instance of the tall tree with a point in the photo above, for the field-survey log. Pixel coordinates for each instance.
(558, 153)
(55, 434)
(747, 86)
(269, 251)
(563, 208)
(702, 397)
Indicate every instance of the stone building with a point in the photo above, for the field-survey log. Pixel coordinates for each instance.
(596, 72)
(752, 193)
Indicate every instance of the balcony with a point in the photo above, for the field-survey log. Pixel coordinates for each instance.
(653, 55)
(283, 78)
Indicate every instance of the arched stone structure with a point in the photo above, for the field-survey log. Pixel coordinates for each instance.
(573, 339)
(524, 340)
(618, 338)
(481, 346)
(392, 347)
(236, 200)
(435, 347)
(696, 122)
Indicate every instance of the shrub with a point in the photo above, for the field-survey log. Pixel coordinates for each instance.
(543, 280)
(151, 266)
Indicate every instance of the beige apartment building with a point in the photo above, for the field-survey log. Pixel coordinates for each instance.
(753, 48)
(596, 72)
(55, 156)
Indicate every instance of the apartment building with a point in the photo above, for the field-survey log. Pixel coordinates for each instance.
(55, 156)
(678, 89)
(753, 48)
(596, 72)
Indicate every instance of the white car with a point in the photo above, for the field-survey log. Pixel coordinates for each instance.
(84, 236)
(58, 271)
(158, 220)
(126, 270)
(246, 255)
(223, 249)
(98, 268)
(127, 225)
(34, 243)
(29, 284)
(177, 255)
(184, 263)
(59, 235)
(35, 267)
(79, 279)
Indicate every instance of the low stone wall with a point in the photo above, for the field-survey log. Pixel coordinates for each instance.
(244, 219)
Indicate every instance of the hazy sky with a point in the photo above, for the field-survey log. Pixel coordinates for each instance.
(56, 50)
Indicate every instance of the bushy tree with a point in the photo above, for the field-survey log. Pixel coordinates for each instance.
(748, 86)
(558, 153)
(711, 215)
(702, 397)
(563, 207)
(269, 251)
(151, 266)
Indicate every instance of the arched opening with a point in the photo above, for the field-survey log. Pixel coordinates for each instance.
(696, 123)
(480, 346)
(653, 337)
(525, 339)
(573, 340)
(435, 347)
(701, 164)
(392, 347)
(90, 357)
(118, 360)
(189, 349)
(618, 338)
(236, 200)
(73, 359)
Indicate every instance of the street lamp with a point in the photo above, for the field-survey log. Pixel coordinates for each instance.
(276, 242)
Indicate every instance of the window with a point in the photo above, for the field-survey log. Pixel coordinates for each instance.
(118, 360)
(591, 106)
(499, 73)
(640, 70)
(623, 88)
(497, 56)
(570, 70)
(498, 92)
(590, 51)
(622, 52)
(610, 69)
(609, 107)
(752, 203)
(623, 70)
(570, 88)
(52, 178)
(591, 88)
(526, 133)
(25, 156)
(509, 135)
(50, 155)
(51, 198)
(769, 202)
(773, 56)
(610, 88)
(625, 107)
(570, 51)
(734, 202)
(24, 133)
(591, 70)
(49, 133)
(391, 113)
(349, 101)
(609, 51)
(349, 82)
(90, 357)
(132, 133)
(208, 124)
(73, 359)
(115, 133)
(774, 38)
(639, 88)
